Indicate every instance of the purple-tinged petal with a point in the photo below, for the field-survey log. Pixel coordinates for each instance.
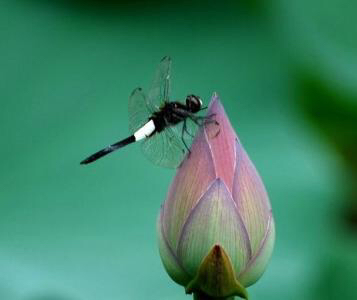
(191, 181)
(251, 198)
(259, 262)
(222, 145)
(169, 259)
(214, 221)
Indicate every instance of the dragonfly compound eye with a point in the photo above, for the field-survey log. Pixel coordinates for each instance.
(193, 103)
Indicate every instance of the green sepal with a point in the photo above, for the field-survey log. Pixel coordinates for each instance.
(216, 277)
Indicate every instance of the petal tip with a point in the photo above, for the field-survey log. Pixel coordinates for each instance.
(215, 99)
(215, 95)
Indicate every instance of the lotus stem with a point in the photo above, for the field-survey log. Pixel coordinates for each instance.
(200, 296)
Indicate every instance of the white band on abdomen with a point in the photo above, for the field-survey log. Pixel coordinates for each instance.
(144, 131)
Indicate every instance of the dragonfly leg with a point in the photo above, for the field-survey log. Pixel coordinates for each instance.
(184, 129)
(204, 120)
(207, 120)
(211, 120)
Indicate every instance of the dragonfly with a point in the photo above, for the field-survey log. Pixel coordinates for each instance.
(166, 127)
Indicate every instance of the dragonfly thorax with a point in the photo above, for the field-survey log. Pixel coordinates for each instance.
(193, 103)
(173, 113)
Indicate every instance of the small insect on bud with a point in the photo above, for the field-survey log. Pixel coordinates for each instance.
(216, 229)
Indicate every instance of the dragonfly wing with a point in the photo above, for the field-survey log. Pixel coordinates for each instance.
(168, 148)
(160, 88)
(139, 112)
(195, 123)
(164, 149)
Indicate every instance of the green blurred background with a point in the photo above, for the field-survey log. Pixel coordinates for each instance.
(286, 72)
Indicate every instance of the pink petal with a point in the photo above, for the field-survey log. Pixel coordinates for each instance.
(259, 261)
(169, 258)
(251, 198)
(191, 181)
(223, 145)
(214, 221)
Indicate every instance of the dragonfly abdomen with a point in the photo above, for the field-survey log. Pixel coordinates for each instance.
(145, 131)
(109, 149)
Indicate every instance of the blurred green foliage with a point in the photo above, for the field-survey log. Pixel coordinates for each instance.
(334, 112)
(286, 74)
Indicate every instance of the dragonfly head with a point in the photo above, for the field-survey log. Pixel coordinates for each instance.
(194, 103)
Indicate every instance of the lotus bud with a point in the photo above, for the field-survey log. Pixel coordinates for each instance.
(216, 229)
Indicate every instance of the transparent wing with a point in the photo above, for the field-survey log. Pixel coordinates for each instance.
(211, 126)
(164, 149)
(187, 130)
(139, 112)
(194, 123)
(160, 88)
(168, 148)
